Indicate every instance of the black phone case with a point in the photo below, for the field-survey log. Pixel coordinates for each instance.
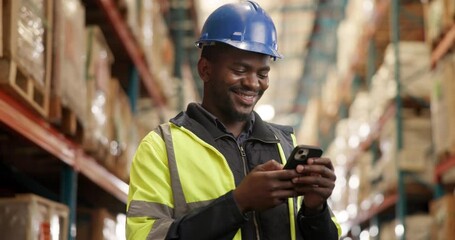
(300, 154)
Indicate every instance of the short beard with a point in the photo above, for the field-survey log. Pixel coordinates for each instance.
(236, 116)
(240, 117)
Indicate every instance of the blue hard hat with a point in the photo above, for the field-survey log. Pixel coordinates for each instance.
(243, 25)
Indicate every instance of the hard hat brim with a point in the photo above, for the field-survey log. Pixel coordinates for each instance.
(242, 45)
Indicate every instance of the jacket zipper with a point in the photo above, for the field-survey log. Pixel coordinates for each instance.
(245, 171)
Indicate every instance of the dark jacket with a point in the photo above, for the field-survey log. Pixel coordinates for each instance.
(258, 148)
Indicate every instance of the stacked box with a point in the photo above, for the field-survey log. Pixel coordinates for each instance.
(442, 211)
(416, 228)
(415, 156)
(29, 217)
(330, 96)
(25, 63)
(68, 83)
(98, 127)
(414, 60)
(95, 224)
(443, 107)
(125, 134)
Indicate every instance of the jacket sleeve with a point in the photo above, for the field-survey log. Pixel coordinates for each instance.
(321, 226)
(219, 220)
(150, 202)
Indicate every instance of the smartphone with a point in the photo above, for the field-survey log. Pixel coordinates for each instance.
(300, 155)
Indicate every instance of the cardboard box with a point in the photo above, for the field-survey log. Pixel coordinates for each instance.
(26, 57)
(98, 127)
(69, 88)
(30, 217)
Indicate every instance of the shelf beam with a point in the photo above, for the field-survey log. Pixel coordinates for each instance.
(37, 130)
(375, 210)
(444, 166)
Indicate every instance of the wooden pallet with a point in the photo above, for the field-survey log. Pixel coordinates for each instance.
(21, 86)
(18, 78)
(65, 119)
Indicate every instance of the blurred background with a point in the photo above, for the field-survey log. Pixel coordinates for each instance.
(83, 81)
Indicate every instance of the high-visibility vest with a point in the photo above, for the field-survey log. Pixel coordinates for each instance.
(182, 184)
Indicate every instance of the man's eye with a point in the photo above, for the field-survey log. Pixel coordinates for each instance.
(263, 75)
(239, 70)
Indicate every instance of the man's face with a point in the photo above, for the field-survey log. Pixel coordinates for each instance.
(235, 83)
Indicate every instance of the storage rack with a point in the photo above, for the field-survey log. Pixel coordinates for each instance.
(396, 201)
(75, 171)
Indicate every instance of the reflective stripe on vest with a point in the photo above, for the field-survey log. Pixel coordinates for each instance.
(181, 206)
(293, 203)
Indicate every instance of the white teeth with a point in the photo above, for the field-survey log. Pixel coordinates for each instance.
(245, 95)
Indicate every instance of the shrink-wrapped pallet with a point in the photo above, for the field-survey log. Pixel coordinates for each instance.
(125, 134)
(31, 217)
(25, 62)
(417, 228)
(415, 156)
(98, 124)
(68, 82)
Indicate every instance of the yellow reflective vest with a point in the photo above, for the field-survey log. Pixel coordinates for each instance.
(177, 176)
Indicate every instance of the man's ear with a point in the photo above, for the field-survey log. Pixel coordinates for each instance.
(204, 69)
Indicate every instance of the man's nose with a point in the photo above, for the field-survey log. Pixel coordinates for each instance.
(252, 81)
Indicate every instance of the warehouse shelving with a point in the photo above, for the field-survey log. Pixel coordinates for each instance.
(446, 165)
(372, 136)
(403, 194)
(79, 173)
(365, 216)
(134, 51)
(38, 131)
(370, 28)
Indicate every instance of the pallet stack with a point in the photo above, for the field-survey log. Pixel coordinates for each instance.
(26, 56)
(28, 216)
(59, 67)
(67, 107)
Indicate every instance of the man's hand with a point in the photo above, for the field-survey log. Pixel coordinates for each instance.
(266, 186)
(315, 182)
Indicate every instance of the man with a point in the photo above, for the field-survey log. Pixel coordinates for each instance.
(215, 171)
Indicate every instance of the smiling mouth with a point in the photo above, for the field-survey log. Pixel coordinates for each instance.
(247, 98)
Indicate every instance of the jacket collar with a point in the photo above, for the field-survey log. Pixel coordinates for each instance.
(205, 125)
